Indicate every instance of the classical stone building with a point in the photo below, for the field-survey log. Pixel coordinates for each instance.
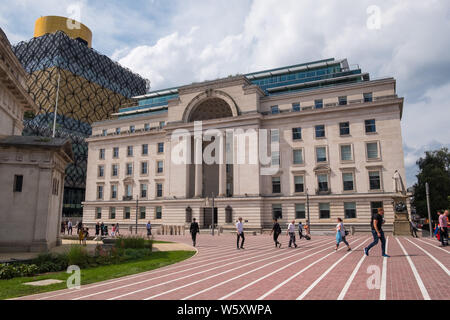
(334, 142)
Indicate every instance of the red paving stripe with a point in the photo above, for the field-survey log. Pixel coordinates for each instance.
(436, 281)
(418, 278)
(432, 257)
(435, 244)
(300, 280)
(330, 287)
(351, 278)
(241, 268)
(255, 273)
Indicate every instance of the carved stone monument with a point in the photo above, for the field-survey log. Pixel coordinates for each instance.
(401, 217)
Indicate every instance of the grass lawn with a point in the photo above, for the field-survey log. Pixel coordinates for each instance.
(14, 288)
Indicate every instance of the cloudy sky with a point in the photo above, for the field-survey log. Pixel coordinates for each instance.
(174, 42)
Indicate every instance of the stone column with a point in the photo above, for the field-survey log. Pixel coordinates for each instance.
(222, 167)
(198, 160)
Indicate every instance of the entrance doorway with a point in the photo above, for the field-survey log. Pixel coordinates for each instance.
(207, 217)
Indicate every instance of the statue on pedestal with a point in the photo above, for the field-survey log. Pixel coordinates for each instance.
(398, 185)
(401, 219)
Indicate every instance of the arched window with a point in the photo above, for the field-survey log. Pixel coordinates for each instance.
(228, 215)
(188, 215)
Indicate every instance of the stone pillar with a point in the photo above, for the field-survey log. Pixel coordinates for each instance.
(198, 157)
(222, 167)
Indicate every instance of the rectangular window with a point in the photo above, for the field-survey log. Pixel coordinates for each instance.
(368, 97)
(296, 133)
(18, 183)
(372, 150)
(343, 101)
(115, 170)
(142, 213)
(101, 171)
(112, 213)
(99, 192)
(323, 182)
(145, 149)
(144, 168)
(350, 210)
(98, 214)
(101, 155)
(129, 190)
(375, 180)
(116, 153)
(143, 191)
(274, 110)
(320, 131)
(300, 212)
(276, 185)
(160, 167)
(129, 169)
(127, 213)
(274, 136)
(162, 124)
(117, 130)
(324, 211)
(344, 128)
(296, 107)
(371, 126)
(299, 183)
(275, 158)
(114, 191)
(374, 206)
(104, 133)
(147, 127)
(130, 151)
(347, 179)
(298, 156)
(158, 213)
(159, 190)
(161, 147)
(132, 129)
(277, 211)
(318, 103)
(346, 153)
(321, 153)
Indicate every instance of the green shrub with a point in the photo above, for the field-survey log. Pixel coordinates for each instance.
(9, 270)
(78, 256)
(134, 243)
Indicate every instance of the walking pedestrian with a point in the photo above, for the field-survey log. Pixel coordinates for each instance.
(63, 227)
(149, 229)
(194, 229)
(69, 227)
(300, 230)
(240, 233)
(276, 230)
(341, 234)
(291, 234)
(79, 226)
(414, 229)
(377, 232)
(102, 229)
(117, 229)
(80, 235)
(443, 223)
(97, 230)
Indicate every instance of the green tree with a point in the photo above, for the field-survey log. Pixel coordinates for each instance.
(434, 169)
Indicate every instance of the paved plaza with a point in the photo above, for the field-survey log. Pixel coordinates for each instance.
(417, 270)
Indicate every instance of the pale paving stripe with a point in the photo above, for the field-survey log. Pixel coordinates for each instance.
(433, 245)
(168, 275)
(419, 281)
(251, 271)
(432, 257)
(198, 260)
(210, 277)
(297, 274)
(189, 276)
(384, 274)
(315, 283)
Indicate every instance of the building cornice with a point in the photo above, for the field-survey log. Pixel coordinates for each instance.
(215, 84)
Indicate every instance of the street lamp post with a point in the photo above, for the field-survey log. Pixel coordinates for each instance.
(137, 207)
(427, 188)
(212, 229)
(307, 206)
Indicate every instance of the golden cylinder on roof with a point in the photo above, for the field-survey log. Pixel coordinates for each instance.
(74, 29)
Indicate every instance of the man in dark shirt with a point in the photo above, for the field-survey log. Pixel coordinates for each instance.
(276, 230)
(194, 230)
(377, 232)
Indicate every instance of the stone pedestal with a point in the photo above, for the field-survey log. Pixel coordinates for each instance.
(402, 225)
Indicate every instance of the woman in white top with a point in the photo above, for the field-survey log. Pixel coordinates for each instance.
(340, 234)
